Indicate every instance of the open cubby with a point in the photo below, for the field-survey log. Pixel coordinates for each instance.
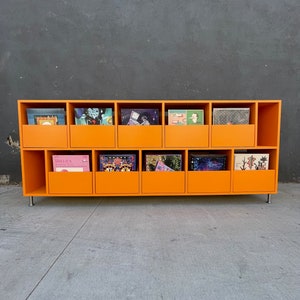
(261, 135)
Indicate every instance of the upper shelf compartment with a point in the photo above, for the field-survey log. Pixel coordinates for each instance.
(233, 124)
(186, 124)
(92, 123)
(139, 124)
(268, 123)
(43, 124)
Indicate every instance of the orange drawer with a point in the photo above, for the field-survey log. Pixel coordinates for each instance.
(44, 136)
(140, 136)
(92, 136)
(254, 181)
(186, 136)
(117, 182)
(208, 182)
(163, 182)
(232, 135)
(70, 182)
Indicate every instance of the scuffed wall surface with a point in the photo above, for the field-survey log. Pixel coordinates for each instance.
(193, 49)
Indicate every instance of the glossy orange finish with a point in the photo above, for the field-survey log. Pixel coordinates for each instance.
(139, 136)
(117, 183)
(254, 181)
(38, 143)
(186, 136)
(42, 136)
(233, 135)
(163, 182)
(208, 182)
(82, 136)
(70, 183)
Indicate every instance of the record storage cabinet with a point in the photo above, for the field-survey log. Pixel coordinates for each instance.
(38, 143)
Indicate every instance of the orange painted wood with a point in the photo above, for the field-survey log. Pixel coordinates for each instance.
(163, 182)
(91, 136)
(208, 182)
(117, 183)
(233, 135)
(38, 143)
(255, 181)
(139, 136)
(70, 183)
(43, 136)
(186, 136)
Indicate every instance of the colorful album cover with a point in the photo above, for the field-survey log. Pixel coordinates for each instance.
(185, 117)
(251, 161)
(154, 162)
(71, 163)
(117, 162)
(177, 117)
(195, 117)
(207, 162)
(93, 116)
(228, 116)
(46, 116)
(139, 116)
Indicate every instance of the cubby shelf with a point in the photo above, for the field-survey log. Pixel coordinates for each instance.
(38, 144)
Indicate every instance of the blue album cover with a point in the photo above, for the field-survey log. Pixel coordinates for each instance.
(207, 162)
(55, 116)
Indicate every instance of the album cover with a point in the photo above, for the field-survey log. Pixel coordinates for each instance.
(71, 163)
(185, 117)
(228, 116)
(177, 117)
(139, 116)
(46, 116)
(117, 162)
(154, 162)
(93, 116)
(207, 162)
(195, 117)
(251, 161)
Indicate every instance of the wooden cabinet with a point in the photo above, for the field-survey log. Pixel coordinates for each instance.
(261, 134)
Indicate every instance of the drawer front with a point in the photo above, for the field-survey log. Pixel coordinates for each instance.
(163, 182)
(70, 183)
(117, 183)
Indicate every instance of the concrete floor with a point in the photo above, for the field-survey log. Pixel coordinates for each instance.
(231, 247)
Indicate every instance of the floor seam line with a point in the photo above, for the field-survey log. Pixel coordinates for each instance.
(63, 250)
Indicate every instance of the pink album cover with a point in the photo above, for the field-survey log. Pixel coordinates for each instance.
(71, 163)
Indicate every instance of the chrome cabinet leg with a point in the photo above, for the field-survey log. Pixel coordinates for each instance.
(31, 203)
(269, 198)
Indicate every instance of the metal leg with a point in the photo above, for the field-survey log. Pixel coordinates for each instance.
(269, 198)
(31, 203)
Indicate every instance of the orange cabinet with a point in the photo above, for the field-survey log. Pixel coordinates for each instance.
(260, 134)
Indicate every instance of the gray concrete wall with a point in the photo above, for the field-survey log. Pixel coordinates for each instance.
(150, 49)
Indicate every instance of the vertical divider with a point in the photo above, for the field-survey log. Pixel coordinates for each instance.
(163, 123)
(209, 123)
(255, 123)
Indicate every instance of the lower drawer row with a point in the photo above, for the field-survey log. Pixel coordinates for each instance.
(161, 183)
